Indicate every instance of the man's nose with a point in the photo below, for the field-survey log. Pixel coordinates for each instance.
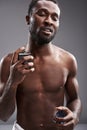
(48, 20)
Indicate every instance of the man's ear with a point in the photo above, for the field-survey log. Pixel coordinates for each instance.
(28, 20)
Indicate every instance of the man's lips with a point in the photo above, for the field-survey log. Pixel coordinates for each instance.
(47, 30)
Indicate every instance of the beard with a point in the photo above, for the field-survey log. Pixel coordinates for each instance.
(42, 38)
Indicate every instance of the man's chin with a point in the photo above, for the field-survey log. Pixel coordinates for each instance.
(45, 40)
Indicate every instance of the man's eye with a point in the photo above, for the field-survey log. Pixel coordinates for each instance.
(41, 13)
(55, 18)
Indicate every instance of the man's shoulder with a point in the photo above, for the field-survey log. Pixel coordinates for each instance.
(64, 53)
(68, 58)
(6, 58)
(5, 62)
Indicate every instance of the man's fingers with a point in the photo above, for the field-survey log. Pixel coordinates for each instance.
(15, 55)
(25, 64)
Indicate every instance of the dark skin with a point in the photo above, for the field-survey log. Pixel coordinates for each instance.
(38, 87)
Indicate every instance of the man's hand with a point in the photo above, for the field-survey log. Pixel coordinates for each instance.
(68, 121)
(20, 68)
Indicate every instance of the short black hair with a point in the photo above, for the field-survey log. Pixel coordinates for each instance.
(34, 2)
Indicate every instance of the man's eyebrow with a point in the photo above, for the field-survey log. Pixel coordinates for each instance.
(45, 9)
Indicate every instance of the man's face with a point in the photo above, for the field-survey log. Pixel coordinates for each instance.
(44, 21)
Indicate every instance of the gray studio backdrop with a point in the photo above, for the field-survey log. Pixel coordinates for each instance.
(72, 35)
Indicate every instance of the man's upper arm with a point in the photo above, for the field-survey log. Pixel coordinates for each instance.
(4, 71)
(72, 86)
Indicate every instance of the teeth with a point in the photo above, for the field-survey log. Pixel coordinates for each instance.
(48, 30)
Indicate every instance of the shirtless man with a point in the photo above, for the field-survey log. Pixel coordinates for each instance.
(37, 83)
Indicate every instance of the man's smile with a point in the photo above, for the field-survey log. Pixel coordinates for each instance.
(47, 30)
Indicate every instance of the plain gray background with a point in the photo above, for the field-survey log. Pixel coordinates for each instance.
(72, 36)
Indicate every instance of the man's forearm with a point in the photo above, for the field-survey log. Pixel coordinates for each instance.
(76, 107)
(7, 101)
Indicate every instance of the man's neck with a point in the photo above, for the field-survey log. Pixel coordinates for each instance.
(39, 50)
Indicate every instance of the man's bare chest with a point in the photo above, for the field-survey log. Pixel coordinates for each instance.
(47, 77)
